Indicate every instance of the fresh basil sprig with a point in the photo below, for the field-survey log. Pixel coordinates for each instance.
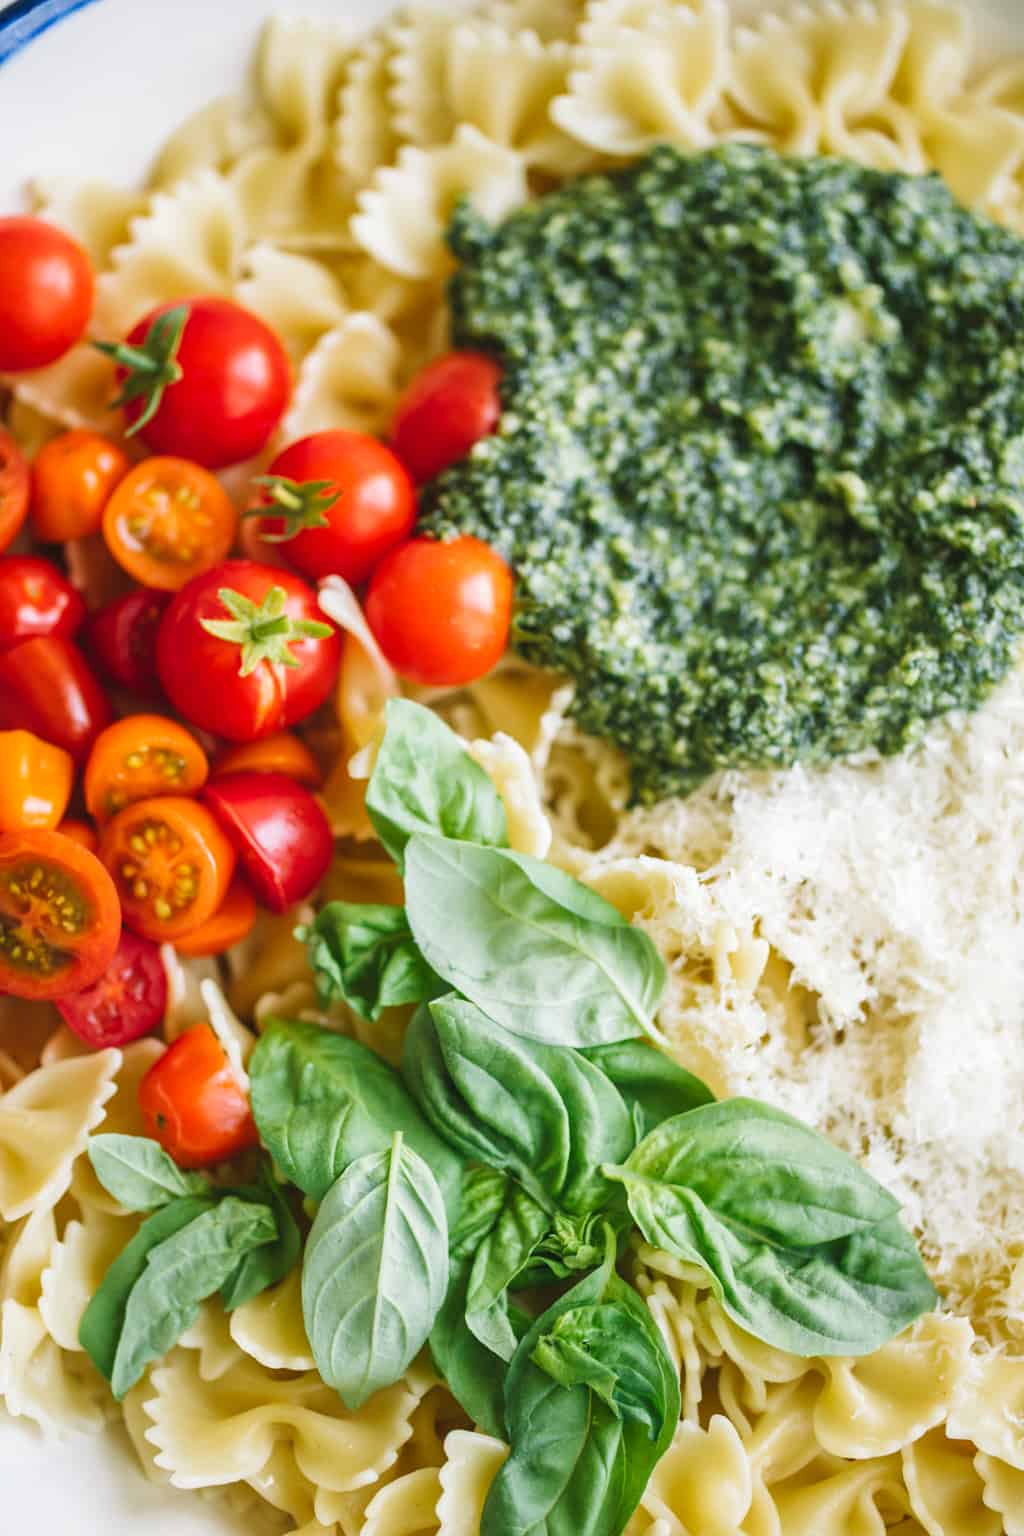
(376, 1271)
(475, 1376)
(499, 1260)
(322, 1101)
(140, 1175)
(367, 956)
(268, 1264)
(653, 1086)
(424, 780)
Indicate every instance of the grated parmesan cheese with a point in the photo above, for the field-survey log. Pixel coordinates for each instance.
(849, 945)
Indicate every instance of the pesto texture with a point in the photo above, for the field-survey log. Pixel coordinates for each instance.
(760, 469)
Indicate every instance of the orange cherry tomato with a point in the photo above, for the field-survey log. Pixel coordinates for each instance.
(167, 521)
(171, 863)
(14, 486)
(193, 1104)
(73, 478)
(36, 779)
(283, 753)
(139, 757)
(59, 915)
(81, 832)
(229, 925)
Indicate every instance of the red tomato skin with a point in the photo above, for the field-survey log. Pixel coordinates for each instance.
(128, 1001)
(447, 408)
(441, 612)
(48, 687)
(374, 513)
(200, 673)
(46, 293)
(36, 599)
(279, 831)
(236, 383)
(193, 1105)
(15, 485)
(121, 637)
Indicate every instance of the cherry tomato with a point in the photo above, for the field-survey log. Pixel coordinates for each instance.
(46, 686)
(447, 408)
(341, 501)
(14, 486)
(59, 915)
(128, 1001)
(441, 612)
(242, 651)
(36, 780)
(139, 757)
(283, 753)
(36, 599)
(167, 521)
(122, 638)
(280, 833)
(193, 1104)
(232, 921)
(46, 291)
(81, 832)
(73, 477)
(171, 863)
(205, 380)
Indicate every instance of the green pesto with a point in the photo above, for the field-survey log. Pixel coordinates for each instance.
(761, 464)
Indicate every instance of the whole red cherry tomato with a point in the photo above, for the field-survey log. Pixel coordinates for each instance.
(242, 651)
(193, 1104)
(122, 638)
(447, 408)
(14, 488)
(36, 599)
(59, 915)
(128, 1001)
(340, 502)
(441, 611)
(203, 379)
(46, 291)
(47, 687)
(279, 831)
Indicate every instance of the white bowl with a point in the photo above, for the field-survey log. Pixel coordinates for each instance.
(93, 87)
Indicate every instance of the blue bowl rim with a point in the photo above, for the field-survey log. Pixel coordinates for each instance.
(25, 20)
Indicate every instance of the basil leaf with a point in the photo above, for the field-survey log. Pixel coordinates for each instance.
(375, 1272)
(484, 1192)
(367, 956)
(140, 1174)
(533, 948)
(606, 1346)
(473, 1374)
(267, 1265)
(103, 1320)
(543, 1114)
(179, 1274)
(576, 1468)
(652, 1085)
(321, 1102)
(424, 780)
(500, 1258)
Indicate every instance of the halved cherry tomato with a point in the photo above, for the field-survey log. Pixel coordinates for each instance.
(47, 687)
(14, 488)
(339, 502)
(36, 599)
(46, 290)
(441, 612)
(229, 925)
(73, 477)
(122, 638)
(36, 779)
(128, 1001)
(81, 832)
(283, 753)
(280, 833)
(59, 915)
(447, 408)
(193, 1104)
(139, 757)
(171, 863)
(167, 521)
(242, 651)
(204, 379)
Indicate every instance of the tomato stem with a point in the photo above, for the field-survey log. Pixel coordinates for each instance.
(265, 631)
(298, 504)
(150, 368)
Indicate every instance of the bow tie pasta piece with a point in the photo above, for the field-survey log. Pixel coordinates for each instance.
(508, 765)
(298, 297)
(702, 1486)
(348, 380)
(45, 1123)
(861, 1499)
(98, 214)
(1004, 1492)
(406, 1507)
(365, 133)
(989, 1407)
(271, 1330)
(473, 1461)
(947, 1492)
(214, 138)
(418, 73)
(553, 21)
(78, 1263)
